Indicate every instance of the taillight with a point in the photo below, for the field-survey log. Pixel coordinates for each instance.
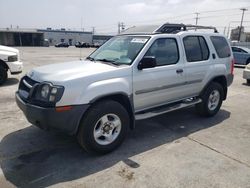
(232, 66)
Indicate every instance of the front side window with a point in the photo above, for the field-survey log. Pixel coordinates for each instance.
(221, 46)
(120, 49)
(165, 51)
(196, 48)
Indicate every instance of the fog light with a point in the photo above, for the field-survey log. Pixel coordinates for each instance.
(51, 98)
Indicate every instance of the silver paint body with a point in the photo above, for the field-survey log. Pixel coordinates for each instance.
(85, 81)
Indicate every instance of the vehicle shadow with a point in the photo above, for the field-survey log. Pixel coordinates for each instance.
(245, 84)
(33, 158)
(239, 66)
(10, 82)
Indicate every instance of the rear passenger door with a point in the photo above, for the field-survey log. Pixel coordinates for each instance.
(197, 64)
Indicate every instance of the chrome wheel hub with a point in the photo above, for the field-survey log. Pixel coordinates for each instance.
(107, 129)
(213, 100)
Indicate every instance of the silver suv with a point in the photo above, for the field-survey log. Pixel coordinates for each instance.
(144, 72)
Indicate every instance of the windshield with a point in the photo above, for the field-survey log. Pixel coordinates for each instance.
(120, 49)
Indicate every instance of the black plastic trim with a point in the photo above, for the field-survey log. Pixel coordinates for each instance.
(50, 119)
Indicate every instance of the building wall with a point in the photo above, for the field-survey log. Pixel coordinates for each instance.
(7, 39)
(71, 37)
(235, 34)
(21, 38)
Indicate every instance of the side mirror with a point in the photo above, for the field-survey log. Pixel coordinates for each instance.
(147, 62)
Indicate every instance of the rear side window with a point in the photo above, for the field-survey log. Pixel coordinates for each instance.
(221, 46)
(196, 48)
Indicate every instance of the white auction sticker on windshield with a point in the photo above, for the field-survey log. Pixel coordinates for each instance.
(139, 40)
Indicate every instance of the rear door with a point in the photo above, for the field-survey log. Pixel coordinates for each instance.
(198, 62)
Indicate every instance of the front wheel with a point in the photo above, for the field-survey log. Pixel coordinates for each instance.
(103, 127)
(211, 100)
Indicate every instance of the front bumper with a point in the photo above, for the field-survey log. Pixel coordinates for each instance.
(246, 74)
(230, 78)
(15, 67)
(50, 119)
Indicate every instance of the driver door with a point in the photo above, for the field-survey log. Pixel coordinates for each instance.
(161, 84)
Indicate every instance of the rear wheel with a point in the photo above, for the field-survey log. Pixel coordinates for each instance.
(248, 61)
(103, 127)
(211, 100)
(3, 74)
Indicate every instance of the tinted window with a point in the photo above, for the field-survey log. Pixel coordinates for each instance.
(204, 48)
(221, 46)
(165, 51)
(195, 48)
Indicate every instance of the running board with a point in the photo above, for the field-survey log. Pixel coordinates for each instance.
(165, 109)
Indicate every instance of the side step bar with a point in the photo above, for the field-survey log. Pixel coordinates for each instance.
(162, 110)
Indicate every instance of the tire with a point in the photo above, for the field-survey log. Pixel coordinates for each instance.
(3, 74)
(248, 61)
(102, 116)
(248, 81)
(212, 99)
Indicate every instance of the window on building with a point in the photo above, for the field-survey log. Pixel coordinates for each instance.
(70, 42)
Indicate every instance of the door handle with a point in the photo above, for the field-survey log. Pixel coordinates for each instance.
(179, 71)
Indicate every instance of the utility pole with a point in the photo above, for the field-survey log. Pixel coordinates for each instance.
(81, 25)
(93, 30)
(196, 18)
(224, 33)
(121, 27)
(243, 11)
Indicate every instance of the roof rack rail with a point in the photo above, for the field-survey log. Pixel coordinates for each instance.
(175, 28)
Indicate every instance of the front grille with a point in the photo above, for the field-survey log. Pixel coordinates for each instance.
(25, 86)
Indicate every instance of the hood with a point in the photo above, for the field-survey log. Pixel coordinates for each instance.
(62, 72)
(8, 49)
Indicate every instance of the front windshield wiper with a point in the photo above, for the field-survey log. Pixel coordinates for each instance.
(108, 61)
(90, 58)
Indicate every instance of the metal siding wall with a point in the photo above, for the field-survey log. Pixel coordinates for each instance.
(57, 36)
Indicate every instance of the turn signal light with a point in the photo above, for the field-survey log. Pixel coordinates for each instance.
(63, 108)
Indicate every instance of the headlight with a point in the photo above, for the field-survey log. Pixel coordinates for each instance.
(12, 58)
(49, 93)
(45, 91)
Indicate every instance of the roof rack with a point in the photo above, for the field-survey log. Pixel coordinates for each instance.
(165, 28)
(175, 28)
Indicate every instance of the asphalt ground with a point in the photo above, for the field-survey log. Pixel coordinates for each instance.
(178, 149)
